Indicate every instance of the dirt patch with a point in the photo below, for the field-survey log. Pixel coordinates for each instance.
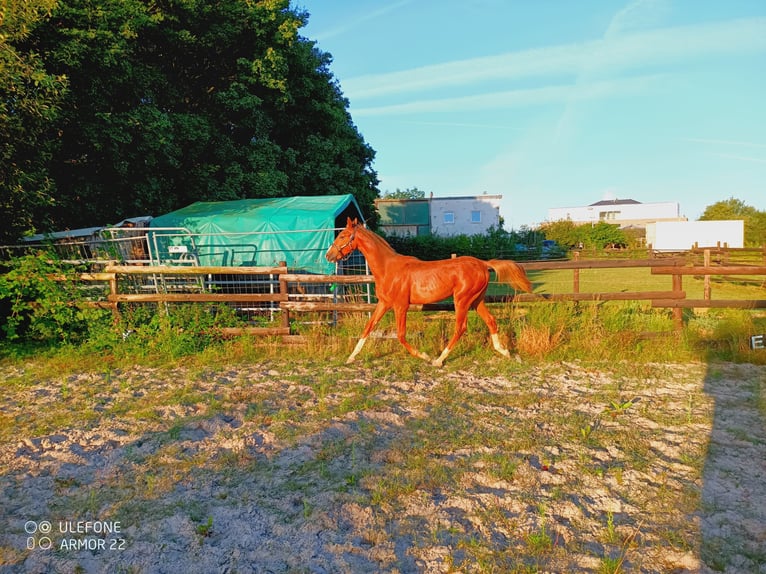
(269, 468)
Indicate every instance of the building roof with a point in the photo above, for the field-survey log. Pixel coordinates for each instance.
(615, 202)
(69, 234)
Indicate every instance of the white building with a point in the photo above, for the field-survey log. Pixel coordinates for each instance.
(469, 215)
(683, 235)
(624, 212)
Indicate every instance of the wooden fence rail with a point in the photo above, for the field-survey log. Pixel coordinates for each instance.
(283, 294)
(113, 274)
(707, 270)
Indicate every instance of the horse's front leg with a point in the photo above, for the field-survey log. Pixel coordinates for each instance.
(401, 331)
(377, 315)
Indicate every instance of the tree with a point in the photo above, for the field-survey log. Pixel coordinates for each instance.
(29, 99)
(755, 220)
(563, 232)
(728, 209)
(409, 193)
(176, 101)
(596, 236)
(604, 234)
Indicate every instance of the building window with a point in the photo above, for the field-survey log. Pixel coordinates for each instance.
(476, 217)
(449, 217)
(608, 215)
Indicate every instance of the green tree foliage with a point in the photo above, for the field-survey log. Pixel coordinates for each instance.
(29, 99)
(409, 193)
(604, 234)
(596, 236)
(755, 220)
(40, 301)
(496, 243)
(563, 232)
(175, 101)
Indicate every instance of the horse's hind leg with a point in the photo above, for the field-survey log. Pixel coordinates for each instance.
(483, 311)
(401, 331)
(461, 325)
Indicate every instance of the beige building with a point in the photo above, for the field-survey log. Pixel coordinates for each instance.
(469, 215)
(442, 216)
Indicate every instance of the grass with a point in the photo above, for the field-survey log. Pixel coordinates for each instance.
(639, 279)
(538, 332)
(600, 280)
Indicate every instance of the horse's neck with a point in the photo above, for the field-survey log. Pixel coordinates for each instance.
(376, 251)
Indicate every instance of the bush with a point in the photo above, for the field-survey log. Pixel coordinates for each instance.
(40, 300)
(597, 236)
(496, 243)
(175, 331)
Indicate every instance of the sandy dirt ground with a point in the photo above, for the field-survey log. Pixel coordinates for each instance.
(267, 468)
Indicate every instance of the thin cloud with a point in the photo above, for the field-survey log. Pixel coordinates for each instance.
(724, 142)
(358, 21)
(609, 54)
(635, 15)
(740, 157)
(516, 98)
(720, 143)
(461, 125)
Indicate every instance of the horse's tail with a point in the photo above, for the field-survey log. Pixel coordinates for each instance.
(512, 273)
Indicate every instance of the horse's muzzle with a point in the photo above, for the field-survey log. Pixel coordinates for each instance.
(333, 254)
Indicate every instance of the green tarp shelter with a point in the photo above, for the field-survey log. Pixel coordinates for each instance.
(254, 232)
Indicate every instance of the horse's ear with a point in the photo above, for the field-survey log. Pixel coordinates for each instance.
(350, 223)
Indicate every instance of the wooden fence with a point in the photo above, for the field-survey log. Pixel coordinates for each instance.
(285, 292)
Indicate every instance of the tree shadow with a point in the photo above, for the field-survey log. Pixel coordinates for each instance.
(235, 502)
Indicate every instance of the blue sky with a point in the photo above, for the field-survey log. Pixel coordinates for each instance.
(556, 103)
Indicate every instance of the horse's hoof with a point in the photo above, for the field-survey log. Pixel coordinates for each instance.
(437, 363)
(350, 360)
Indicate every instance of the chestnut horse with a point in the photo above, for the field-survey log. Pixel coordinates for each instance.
(401, 280)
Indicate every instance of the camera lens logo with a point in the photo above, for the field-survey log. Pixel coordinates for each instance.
(43, 527)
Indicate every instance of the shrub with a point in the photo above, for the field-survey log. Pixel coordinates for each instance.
(40, 300)
(173, 331)
(496, 243)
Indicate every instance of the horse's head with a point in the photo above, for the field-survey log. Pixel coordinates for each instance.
(345, 244)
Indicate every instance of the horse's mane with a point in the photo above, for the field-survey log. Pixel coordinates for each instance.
(382, 243)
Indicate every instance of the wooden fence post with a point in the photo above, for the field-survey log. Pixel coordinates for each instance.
(678, 313)
(285, 318)
(113, 291)
(706, 263)
(576, 275)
